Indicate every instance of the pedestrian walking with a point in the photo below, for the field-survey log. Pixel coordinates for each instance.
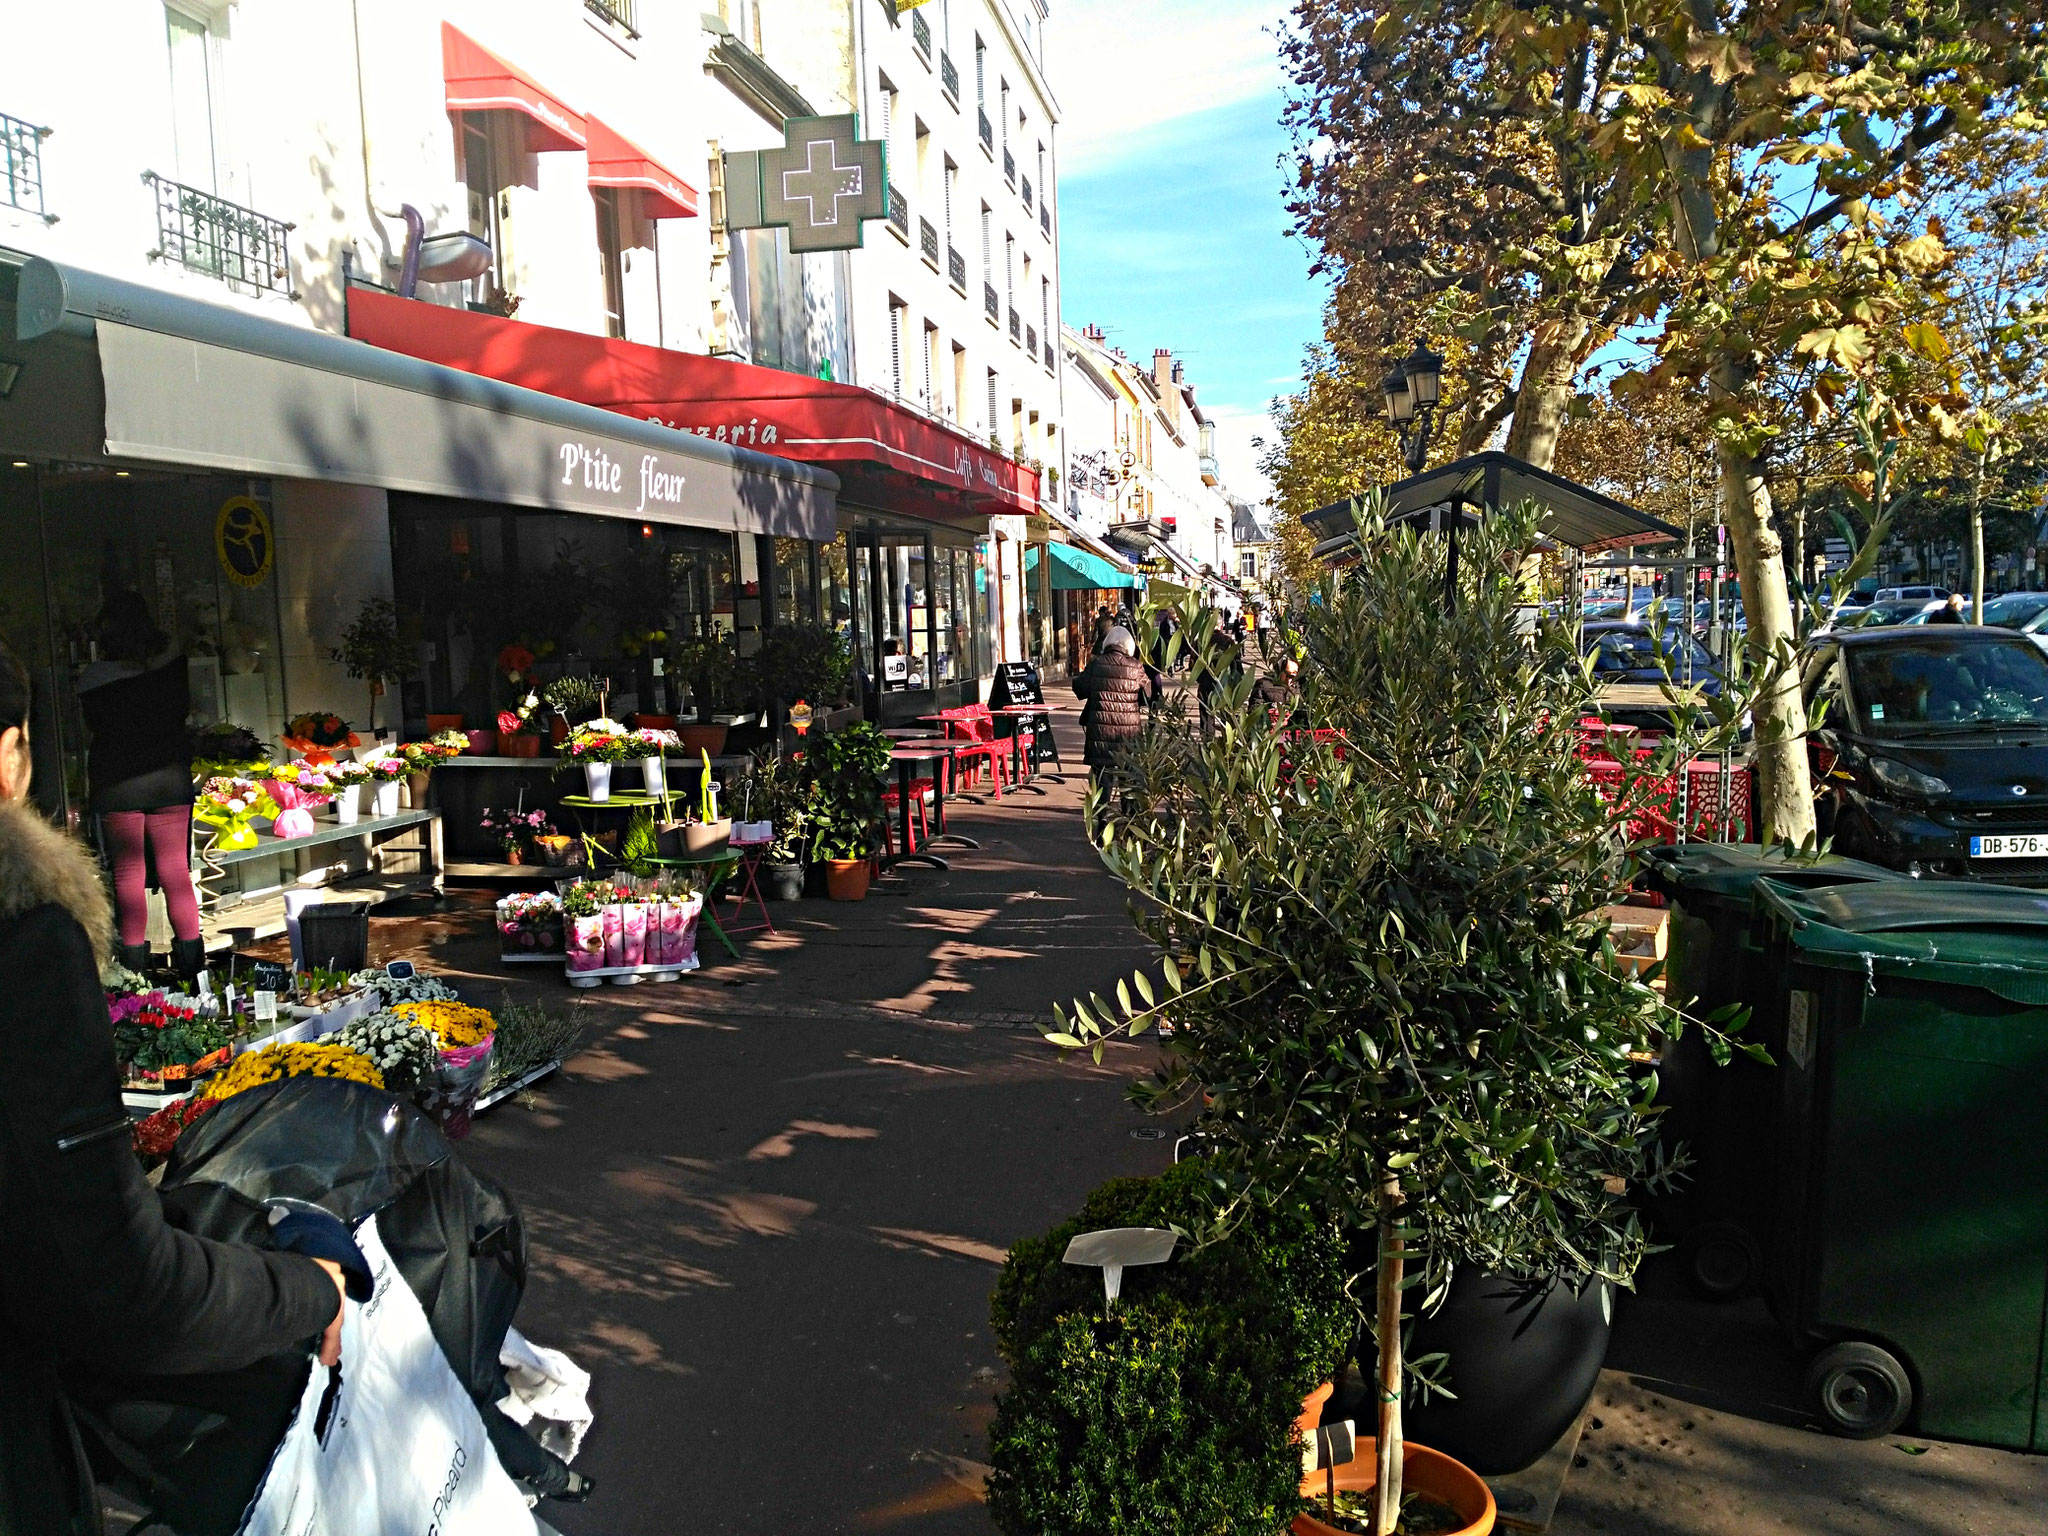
(1118, 691)
(92, 1279)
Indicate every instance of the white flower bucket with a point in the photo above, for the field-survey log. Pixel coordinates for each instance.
(348, 804)
(653, 775)
(384, 799)
(597, 780)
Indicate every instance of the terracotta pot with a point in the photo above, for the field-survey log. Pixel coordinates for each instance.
(1422, 1471)
(847, 879)
(1312, 1409)
(701, 738)
(522, 745)
(443, 723)
(558, 729)
(702, 837)
(416, 789)
(515, 855)
(653, 722)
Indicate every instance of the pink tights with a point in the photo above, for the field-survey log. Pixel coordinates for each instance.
(170, 838)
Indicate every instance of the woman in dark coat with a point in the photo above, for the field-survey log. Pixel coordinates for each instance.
(91, 1277)
(1117, 689)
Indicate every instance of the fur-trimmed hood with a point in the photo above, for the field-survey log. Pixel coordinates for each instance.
(39, 865)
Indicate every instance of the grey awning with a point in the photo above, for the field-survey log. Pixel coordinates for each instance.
(1574, 515)
(183, 382)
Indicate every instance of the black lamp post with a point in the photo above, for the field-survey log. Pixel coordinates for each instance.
(1411, 392)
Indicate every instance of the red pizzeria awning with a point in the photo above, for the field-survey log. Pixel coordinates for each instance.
(479, 81)
(886, 456)
(616, 161)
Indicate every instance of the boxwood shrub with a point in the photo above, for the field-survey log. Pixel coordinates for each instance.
(1172, 1415)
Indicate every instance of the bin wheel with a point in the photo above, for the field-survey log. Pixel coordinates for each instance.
(1722, 1261)
(1863, 1391)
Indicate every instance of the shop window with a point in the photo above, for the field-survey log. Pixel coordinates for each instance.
(611, 258)
(796, 582)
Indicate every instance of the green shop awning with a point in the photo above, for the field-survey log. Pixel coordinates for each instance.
(1075, 570)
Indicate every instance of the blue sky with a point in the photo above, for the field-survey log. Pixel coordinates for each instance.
(1172, 229)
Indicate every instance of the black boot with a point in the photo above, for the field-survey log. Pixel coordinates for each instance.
(188, 958)
(134, 956)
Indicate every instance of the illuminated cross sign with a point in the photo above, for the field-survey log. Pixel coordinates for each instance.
(821, 185)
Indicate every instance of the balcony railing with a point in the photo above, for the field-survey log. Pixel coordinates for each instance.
(1009, 166)
(1017, 328)
(1052, 357)
(921, 37)
(988, 131)
(1045, 218)
(623, 14)
(949, 79)
(956, 269)
(1031, 339)
(204, 233)
(1027, 194)
(992, 302)
(928, 242)
(899, 213)
(21, 166)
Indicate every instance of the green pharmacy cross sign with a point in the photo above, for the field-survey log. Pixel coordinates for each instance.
(821, 186)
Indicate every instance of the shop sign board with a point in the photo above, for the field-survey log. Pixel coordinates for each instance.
(821, 186)
(243, 541)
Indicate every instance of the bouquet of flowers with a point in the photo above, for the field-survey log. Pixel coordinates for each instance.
(455, 1025)
(672, 914)
(228, 749)
(651, 743)
(296, 788)
(514, 660)
(604, 741)
(316, 736)
(272, 1062)
(411, 989)
(158, 1037)
(464, 1036)
(584, 909)
(348, 775)
(522, 719)
(404, 1054)
(229, 805)
(515, 829)
(420, 756)
(385, 770)
(154, 1137)
(530, 925)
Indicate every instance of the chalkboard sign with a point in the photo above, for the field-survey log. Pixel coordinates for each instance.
(1016, 683)
(399, 970)
(267, 976)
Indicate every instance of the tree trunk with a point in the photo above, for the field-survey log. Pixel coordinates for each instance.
(1545, 393)
(1977, 539)
(1784, 788)
(1386, 1512)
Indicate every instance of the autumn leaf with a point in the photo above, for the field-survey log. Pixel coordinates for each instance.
(1844, 345)
(1926, 340)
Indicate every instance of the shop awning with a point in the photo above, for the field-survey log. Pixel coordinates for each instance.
(1574, 515)
(888, 455)
(1075, 570)
(479, 81)
(126, 372)
(616, 161)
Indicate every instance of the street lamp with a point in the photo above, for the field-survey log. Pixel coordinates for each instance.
(1411, 393)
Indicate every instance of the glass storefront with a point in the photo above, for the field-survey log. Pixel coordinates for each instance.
(918, 613)
(200, 553)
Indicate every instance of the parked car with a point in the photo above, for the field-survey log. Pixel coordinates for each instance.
(1890, 613)
(1625, 652)
(1930, 754)
(2026, 612)
(1911, 594)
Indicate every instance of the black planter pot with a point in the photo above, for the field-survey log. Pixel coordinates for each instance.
(1523, 1359)
(782, 882)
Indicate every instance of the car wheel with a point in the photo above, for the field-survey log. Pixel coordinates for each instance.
(1862, 1391)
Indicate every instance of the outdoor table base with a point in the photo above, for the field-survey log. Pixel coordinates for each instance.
(903, 756)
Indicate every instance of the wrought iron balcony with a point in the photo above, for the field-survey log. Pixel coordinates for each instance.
(1045, 219)
(1027, 194)
(1017, 327)
(1009, 166)
(949, 79)
(928, 242)
(921, 37)
(1031, 339)
(1052, 356)
(899, 213)
(624, 14)
(21, 166)
(956, 269)
(992, 302)
(204, 233)
(988, 132)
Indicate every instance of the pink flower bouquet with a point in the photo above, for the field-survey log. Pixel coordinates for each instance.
(586, 942)
(297, 789)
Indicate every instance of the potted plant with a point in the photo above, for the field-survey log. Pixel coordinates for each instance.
(573, 700)
(596, 746)
(514, 831)
(232, 750)
(422, 757)
(781, 794)
(707, 832)
(519, 728)
(805, 661)
(231, 806)
(387, 774)
(297, 790)
(346, 781)
(710, 666)
(374, 650)
(647, 746)
(845, 772)
(1384, 949)
(1177, 1410)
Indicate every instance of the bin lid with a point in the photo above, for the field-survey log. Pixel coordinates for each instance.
(1678, 870)
(1993, 937)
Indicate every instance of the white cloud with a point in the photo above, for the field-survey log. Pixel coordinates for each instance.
(1120, 67)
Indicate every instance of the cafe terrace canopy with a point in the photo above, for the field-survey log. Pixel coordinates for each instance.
(1573, 515)
(886, 455)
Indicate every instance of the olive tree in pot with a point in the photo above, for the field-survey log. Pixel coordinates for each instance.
(376, 649)
(1383, 940)
(711, 667)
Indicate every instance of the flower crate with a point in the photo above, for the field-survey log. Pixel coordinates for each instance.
(635, 939)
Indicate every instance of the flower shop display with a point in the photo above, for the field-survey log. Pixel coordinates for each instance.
(297, 789)
(233, 751)
(465, 1036)
(520, 727)
(403, 1053)
(572, 700)
(596, 746)
(155, 1135)
(231, 807)
(375, 649)
(455, 1024)
(345, 783)
(710, 665)
(319, 737)
(530, 928)
(515, 831)
(845, 772)
(296, 1059)
(387, 772)
(531, 1042)
(393, 990)
(161, 1039)
(422, 757)
(646, 747)
(608, 926)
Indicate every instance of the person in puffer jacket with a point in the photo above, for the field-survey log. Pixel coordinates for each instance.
(1117, 689)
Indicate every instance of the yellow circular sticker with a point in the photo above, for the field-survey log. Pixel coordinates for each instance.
(243, 541)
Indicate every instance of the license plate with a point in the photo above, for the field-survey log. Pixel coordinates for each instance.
(2010, 845)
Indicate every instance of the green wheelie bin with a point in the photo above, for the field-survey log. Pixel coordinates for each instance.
(1911, 1249)
(1724, 1117)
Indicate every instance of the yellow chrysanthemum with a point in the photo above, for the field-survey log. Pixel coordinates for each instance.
(300, 1060)
(455, 1024)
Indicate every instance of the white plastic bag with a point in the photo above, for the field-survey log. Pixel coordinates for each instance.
(547, 1392)
(398, 1448)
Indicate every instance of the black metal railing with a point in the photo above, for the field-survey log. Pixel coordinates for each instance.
(1027, 194)
(899, 212)
(1017, 327)
(992, 301)
(956, 269)
(622, 13)
(204, 233)
(1031, 339)
(928, 242)
(1009, 167)
(949, 78)
(1045, 218)
(988, 131)
(921, 35)
(1052, 356)
(21, 166)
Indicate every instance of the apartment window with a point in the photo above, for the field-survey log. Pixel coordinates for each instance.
(488, 144)
(611, 259)
(988, 245)
(931, 365)
(952, 176)
(959, 401)
(195, 65)
(886, 102)
(1005, 118)
(1248, 567)
(1045, 308)
(899, 313)
(744, 17)
(1009, 269)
